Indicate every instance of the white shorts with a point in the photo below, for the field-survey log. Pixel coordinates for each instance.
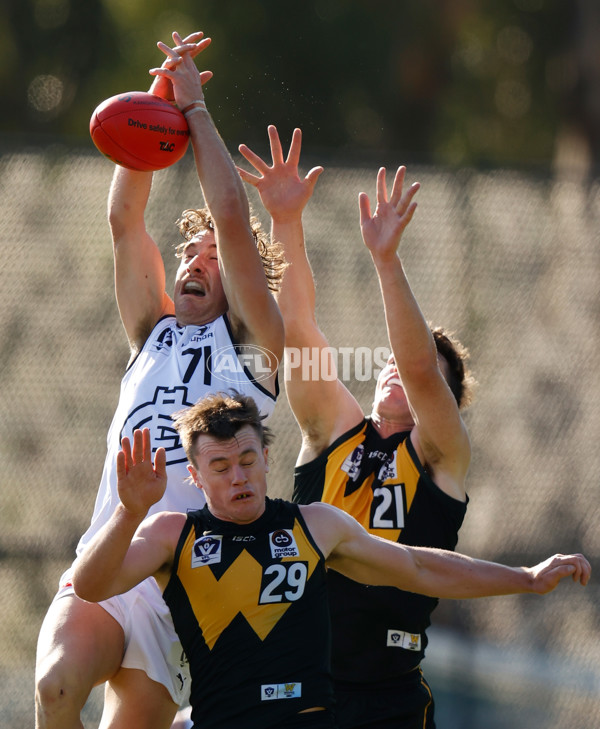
(151, 644)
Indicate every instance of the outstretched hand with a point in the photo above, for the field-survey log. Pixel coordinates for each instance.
(139, 482)
(188, 47)
(382, 230)
(281, 190)
(546, 575)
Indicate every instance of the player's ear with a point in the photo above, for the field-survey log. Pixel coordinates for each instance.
(194, 476)
(266, 457)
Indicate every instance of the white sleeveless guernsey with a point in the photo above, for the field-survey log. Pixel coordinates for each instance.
(176, 367)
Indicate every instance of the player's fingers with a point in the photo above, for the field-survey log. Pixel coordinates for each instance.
(146, 445)
(406, 199)
(196, 48)
(121, 465)
(275, 142)
(583, 569)
(381, 189)
(162, 71)
(293, 157)
(167, 50)
(248, 177)
(407, 216)
(205, 76)
(191, 38)
(312, 176)
(397, 185)
(160, 463)
(364, 206)
(254, 159)
(124, 456)
(137, 452)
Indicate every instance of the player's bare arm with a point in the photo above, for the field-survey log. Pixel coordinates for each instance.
(252, 309)
(363, 557)
(440, 437)
(139, 268)
(323, 408)
(129, 549)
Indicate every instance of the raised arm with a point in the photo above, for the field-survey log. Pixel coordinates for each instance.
(439, 436)
(323, 408)
(254, 315)
(352, 551)
(123, 554)
(139, 267)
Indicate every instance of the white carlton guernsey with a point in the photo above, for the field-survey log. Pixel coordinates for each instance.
(175, 368)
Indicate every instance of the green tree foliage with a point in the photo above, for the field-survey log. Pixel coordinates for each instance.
(445, 81)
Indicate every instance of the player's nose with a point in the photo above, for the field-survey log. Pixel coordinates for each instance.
(238, 474)
(195, 264)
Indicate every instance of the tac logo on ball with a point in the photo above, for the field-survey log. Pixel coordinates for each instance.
(140, 131)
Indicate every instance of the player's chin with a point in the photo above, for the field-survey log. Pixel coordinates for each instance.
(191, 310)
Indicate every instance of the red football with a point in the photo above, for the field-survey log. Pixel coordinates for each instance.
(140, 131)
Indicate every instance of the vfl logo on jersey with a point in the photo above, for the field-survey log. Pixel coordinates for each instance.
(351, 465)
(207, 550)
(271, 691)
(283, 544)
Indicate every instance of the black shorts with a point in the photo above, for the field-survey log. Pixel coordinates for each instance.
(405, 703)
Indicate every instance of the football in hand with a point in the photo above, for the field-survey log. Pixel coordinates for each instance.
(140, 131)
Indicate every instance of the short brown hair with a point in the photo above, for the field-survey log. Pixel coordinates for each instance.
(460, 379)
(220, 415)
(194, 221)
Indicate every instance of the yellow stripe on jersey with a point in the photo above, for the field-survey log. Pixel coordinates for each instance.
(359, 502)
(211, 598)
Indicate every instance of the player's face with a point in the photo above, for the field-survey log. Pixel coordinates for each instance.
(390, 400)
(199, 296)
(232, 474)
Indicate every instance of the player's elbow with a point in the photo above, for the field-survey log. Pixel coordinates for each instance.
(87, 589)
(86, 592)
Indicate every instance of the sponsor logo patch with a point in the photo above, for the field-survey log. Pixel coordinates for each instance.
(283, 544)
(272, 691)
(402, 639)
(388, 471)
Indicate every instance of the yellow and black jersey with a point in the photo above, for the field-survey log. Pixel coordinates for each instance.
(249, 604)
(379, 632)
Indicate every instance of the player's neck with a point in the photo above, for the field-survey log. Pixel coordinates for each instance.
(387, 426)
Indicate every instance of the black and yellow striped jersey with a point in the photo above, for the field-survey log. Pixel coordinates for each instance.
(249, 604)
(379, 632)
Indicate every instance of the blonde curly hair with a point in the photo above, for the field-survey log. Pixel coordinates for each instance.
(194, 221)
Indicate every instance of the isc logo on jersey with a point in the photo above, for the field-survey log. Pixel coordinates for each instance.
(207, 550)
(283, 544)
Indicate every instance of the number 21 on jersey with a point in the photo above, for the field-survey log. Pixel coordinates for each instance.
(387, 510)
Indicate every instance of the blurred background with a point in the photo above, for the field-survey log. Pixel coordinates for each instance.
(495, 109)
